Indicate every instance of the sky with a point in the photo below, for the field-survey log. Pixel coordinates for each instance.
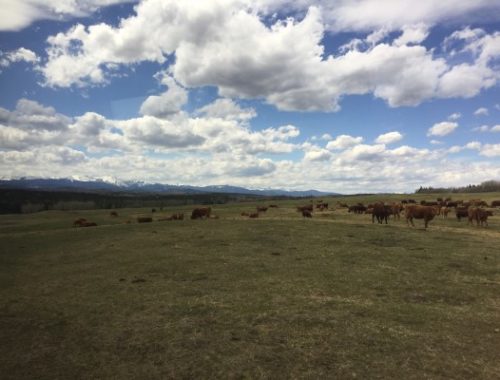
(345, 96)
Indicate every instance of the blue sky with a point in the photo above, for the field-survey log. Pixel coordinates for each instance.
(348, 97)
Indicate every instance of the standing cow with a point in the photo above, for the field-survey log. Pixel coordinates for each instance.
(427, 213)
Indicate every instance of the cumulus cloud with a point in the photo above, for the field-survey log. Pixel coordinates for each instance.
(19, 55)
(389, 138)
(168, 103)
(490, 150)
(227, 109)
(343, 142)
(442, 129)
(227, 44)
(18, 14)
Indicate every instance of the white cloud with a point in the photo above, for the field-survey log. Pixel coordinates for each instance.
(495, 128)
(168, 103)
(225, 43)
(19, 55)
(389, 138)
(18, 14)
(413, 34)
(482, 111)
(326, 137)
(436, 142)
(482, 128)
(227, 109)
(490, 150)
(343, 142)
(442, 129)
(455, 116)
(475, 145)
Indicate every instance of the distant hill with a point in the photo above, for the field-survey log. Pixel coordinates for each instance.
(66, 184)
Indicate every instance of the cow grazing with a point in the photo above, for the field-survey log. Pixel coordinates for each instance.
(261, 208)
(244, 213)
(273, 206)
(201, 213)
(426, 213)
(381, 212)
(253, 215)
(113, 213)
(495, 203)
(306, 214)
(153, 210)
(144, 219)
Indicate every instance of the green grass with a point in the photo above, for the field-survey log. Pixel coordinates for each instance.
(276, 297)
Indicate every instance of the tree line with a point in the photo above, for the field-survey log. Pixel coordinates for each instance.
(483, 187)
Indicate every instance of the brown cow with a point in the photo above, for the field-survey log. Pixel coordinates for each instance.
(253, 215)
(88, 224)
(444, 212)
(273, 206)
(201, 213)
(495, 203)
(306, 214)
(461, 212)
(396, 209)
(113, 213)
(144, 219)
(482, 216)
(426, 213)
(261, 208)
(381, 212)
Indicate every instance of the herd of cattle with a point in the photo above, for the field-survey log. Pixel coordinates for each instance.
(475, 210)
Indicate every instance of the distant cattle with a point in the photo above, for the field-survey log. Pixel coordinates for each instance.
(357, 209)
(82, 222)
(176, 216)
(322, 206)
(79, 222)
(426, 213)
(306, 214)
(201, 213)
(478, 203)
(244, 213)
(144, 219)
(253, 215)
(381, 212)
(261, 208)
(89, 224)
(113, 213)
(273, 206)
(153, 210)
(341, 205)
(495, 203)
(305, 208)
(407, 201)
(451, 204)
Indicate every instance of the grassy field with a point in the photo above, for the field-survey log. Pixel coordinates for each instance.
(276, 297)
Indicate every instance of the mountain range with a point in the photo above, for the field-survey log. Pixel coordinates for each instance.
(68, 184)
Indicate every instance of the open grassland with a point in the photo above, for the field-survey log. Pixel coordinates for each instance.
(280, 296)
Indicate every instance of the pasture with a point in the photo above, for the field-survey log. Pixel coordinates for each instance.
(279, 296)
